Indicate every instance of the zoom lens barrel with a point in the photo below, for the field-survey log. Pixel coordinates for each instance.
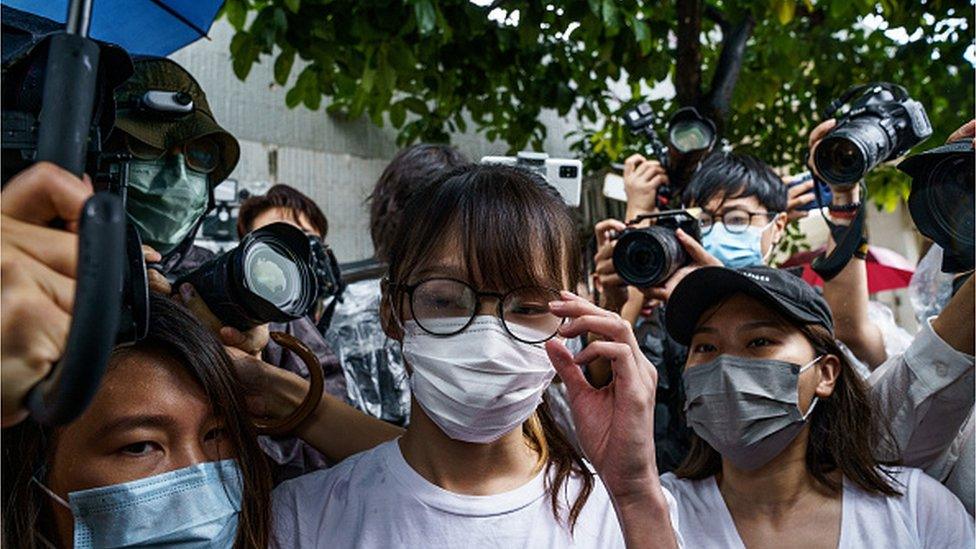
(847, 154)
(648, 256)
(267, 278)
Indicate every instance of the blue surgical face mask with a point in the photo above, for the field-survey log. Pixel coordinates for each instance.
(736, 250)
(197, 506)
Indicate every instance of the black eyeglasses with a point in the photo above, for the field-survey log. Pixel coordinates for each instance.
(735, 221)
(201, 154)
(446, 306)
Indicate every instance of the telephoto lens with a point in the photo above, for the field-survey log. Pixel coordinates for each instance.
(648, 256)
(942, 201)
(882, 123)
(268, 277)
(845, 156)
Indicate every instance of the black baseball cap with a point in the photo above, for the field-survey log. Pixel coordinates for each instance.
(781, 290)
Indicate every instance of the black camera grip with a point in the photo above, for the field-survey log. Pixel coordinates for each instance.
(73, 381)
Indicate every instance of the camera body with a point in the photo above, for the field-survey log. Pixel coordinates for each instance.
(883, 123)
(268, 277)
(565, 174)
(647, 256)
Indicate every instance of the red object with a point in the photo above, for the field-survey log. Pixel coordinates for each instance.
(887, 270)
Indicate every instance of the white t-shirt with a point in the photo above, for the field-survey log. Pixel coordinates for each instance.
(925, 515)
(375, 499)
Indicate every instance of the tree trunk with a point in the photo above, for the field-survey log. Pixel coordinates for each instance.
(687, 70)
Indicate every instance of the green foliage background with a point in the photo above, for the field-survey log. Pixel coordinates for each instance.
(431, 67)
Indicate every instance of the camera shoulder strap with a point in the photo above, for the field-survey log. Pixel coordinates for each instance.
(848, 239)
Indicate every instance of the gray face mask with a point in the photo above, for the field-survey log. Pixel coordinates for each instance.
(746, 409)
(165, 199)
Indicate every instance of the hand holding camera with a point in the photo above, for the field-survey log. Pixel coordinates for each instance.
(38, 265)
(642, 179)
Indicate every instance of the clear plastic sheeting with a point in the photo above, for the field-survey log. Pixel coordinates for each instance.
(376, 380)
(930, 288)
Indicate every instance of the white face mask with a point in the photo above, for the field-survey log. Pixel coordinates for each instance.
(479, 384)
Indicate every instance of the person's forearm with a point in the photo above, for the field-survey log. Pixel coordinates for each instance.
(955, 323)
(646, 521)
(335, 428)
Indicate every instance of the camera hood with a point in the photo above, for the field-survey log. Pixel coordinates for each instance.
(918, 165)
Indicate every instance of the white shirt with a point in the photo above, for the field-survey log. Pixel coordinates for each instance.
(927, 395)
(925, 515)
(375, 499)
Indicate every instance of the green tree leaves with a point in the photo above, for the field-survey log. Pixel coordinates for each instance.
(430, 67)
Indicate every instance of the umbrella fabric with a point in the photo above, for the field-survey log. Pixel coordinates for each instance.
(887, 269)
(139, 26)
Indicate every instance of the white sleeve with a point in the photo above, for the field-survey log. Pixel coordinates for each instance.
(925, 394)
(940, 518)
(673, 512)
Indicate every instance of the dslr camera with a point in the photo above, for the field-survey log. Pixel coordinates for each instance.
(882, 123)
(647, 256)
(565, 174)
(690, 137)
(269, 277)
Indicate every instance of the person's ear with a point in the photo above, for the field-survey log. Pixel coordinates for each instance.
(779, 227)
(389, 318)
(829, 368)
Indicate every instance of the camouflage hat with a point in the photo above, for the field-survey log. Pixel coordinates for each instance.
(159, 73)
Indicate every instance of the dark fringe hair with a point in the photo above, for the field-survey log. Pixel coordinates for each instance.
(512, 231)
(730, 175)
(173, 332)
(410, 170)
(281, 196)
(847, 433)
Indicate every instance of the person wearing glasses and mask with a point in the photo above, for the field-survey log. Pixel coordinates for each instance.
(471, 295)
(174, 152)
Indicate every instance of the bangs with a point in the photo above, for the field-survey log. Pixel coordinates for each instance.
(508, 230)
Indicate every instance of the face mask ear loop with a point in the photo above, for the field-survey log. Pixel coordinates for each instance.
(772, 245)
(50, 492)
(813, 403)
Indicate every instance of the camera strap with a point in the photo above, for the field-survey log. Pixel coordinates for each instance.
(848, 239)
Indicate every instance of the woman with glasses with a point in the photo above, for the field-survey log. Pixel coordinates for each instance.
(475, 296)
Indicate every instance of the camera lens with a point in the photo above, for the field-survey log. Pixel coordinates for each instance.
(645, 257)
(840, 161)
(267, 278)
(272, 274)
(942, 206)
(690, 135)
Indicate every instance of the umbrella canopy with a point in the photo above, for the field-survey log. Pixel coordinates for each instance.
(147, 27)
(887, 269)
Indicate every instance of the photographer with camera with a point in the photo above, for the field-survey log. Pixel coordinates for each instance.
(927, 392)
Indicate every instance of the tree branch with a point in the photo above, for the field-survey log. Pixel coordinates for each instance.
(718, 18)
(716, 104)
(687, 73)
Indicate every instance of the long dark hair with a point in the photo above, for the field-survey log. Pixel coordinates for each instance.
(514, 231)
(846, 432)
(410, 170)
(175, 333)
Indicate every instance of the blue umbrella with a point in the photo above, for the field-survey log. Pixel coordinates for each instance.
(147, 27)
